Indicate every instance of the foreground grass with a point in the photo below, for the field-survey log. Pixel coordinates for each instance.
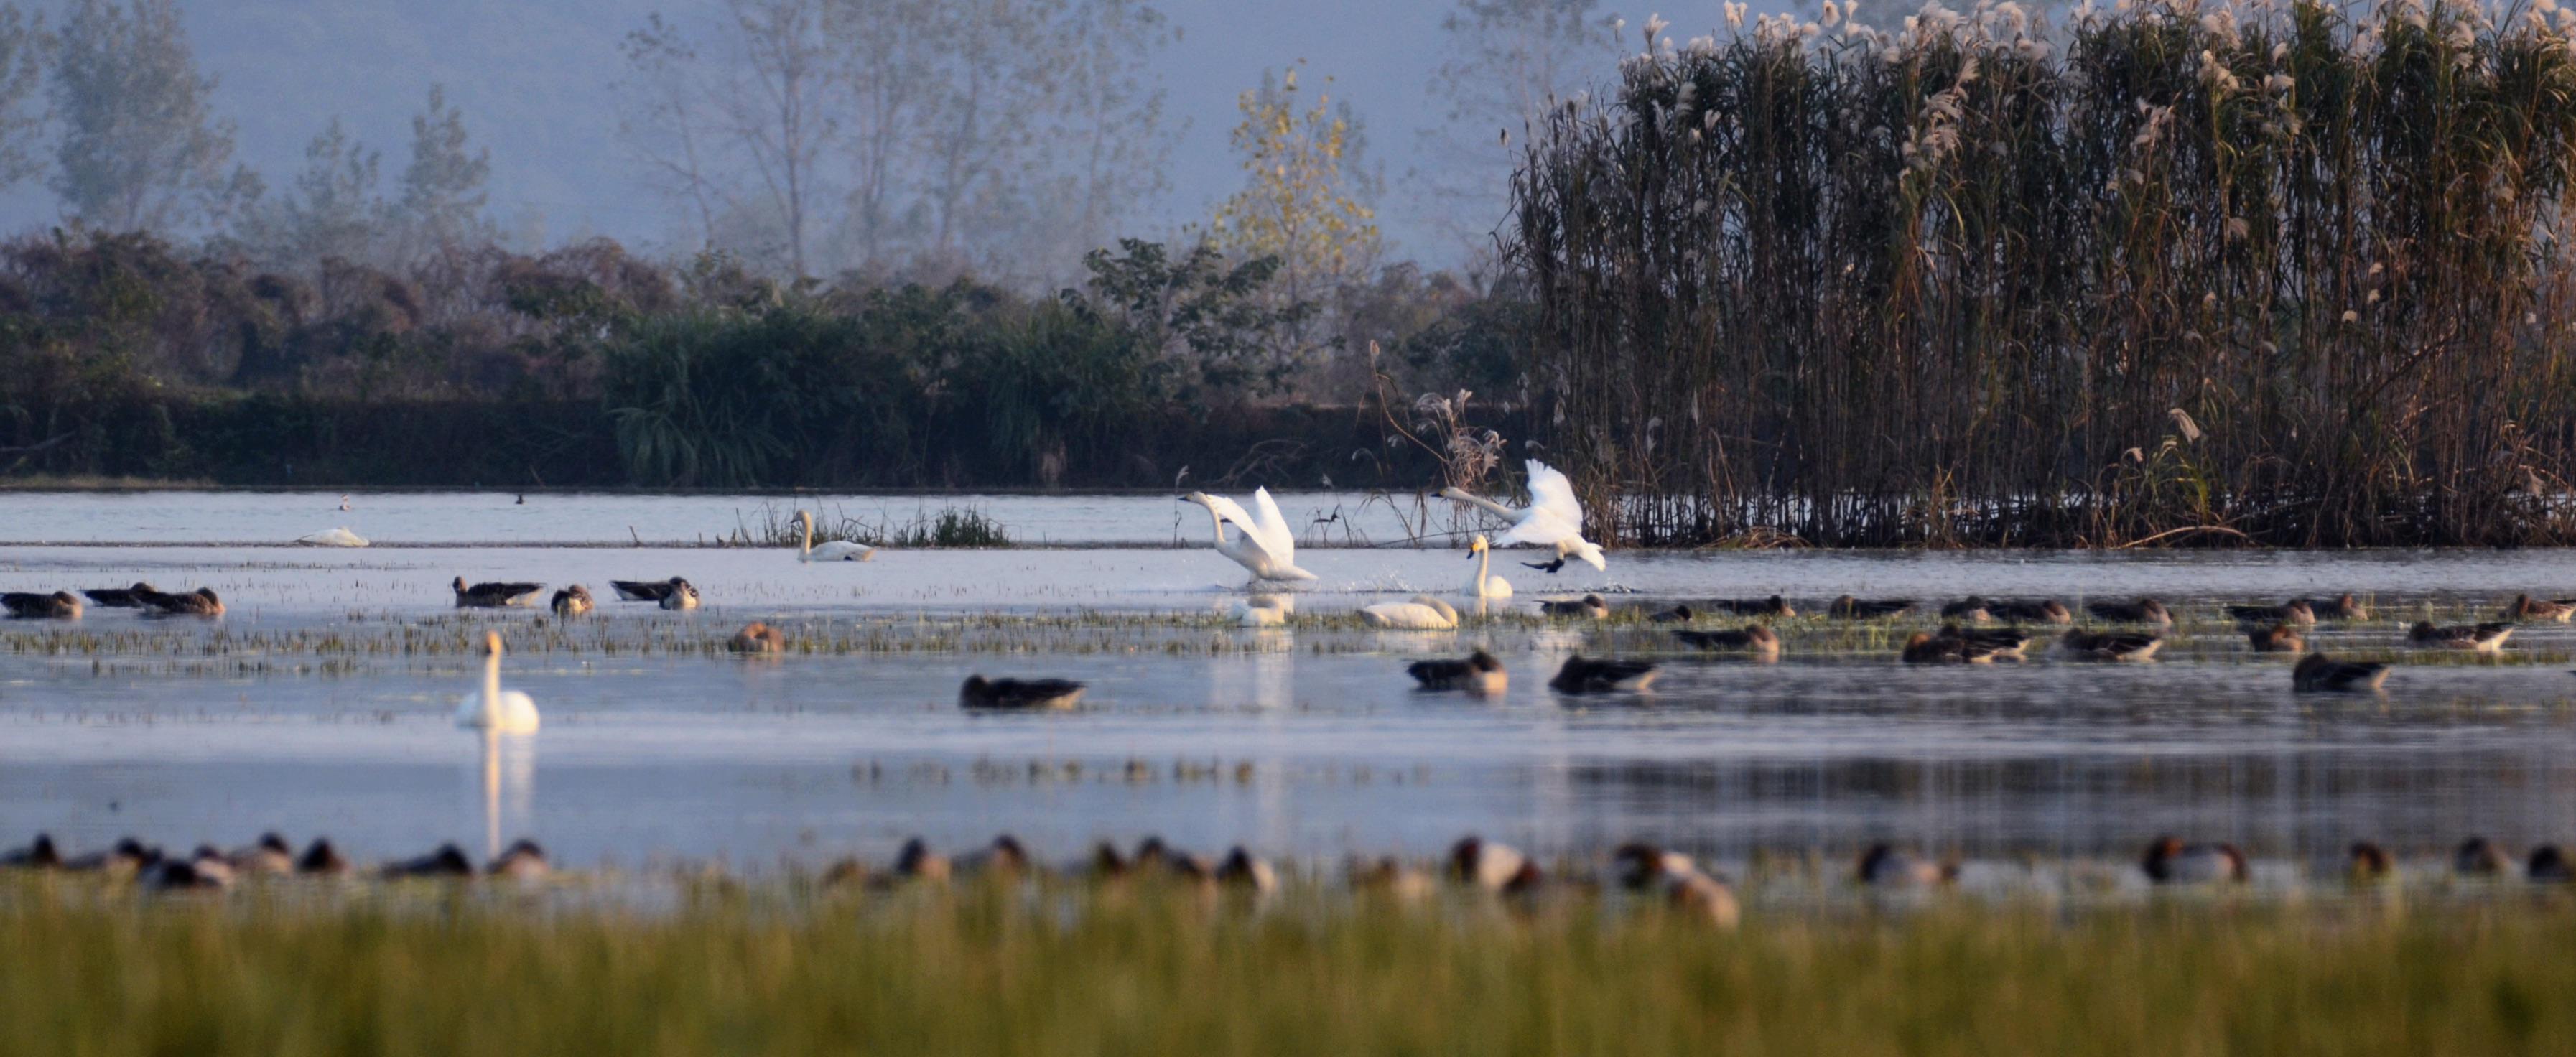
(1071, 973)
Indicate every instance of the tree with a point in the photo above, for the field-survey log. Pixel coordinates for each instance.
(442, 193)
(22, 122)
(140, 146)
(662, 118)
(1299, 202)
(778, 108)
(1213, 314)
(1506, 60)
(1105, 135)
(332, 211)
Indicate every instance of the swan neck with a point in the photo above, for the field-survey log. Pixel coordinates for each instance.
(806, 547)
(1464, 496)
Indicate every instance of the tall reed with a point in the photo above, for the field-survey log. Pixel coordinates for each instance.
(2287, 272)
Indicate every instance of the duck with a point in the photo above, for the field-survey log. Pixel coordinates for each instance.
(2483, 638)
(2110, 645)
(2042, 611)
(2293, 611)
(2480, 857)
(757, 637)
(1485, 584)
(1264, 545)
(321, 859)
(1264, 611)
(1971, 609)
(1492, 866)
(572, 601)
(1593, 606)
(834, 551)
(447, 861)
(494, 709)
(1554, 517)
(1582, 675)
(198, 603)
(2525, 607)
(1244, 870)
(1480, 673)
(2317, 673)
(2007, 643)
(28, 605)
(495, 595)
(916, 861)
(1676, 615)
(1774, 606)
(2142, 611)
(979, 692)
(1882, 866)
(2368, 862)
(39, 854)
(2343, 607)
(121, 597)
(2279, 638)
(1927, 648)
(1752, 638)
(2548, 865)
(1419, 613)
(1849, 608)
(2170, 861)
(270, 856)
(523, 860)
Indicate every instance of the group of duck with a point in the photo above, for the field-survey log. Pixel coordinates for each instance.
(1473, 863)
(64, 605)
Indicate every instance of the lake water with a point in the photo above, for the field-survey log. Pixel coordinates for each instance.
(321, 703)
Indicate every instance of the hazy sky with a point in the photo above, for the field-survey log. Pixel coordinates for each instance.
(533, 79)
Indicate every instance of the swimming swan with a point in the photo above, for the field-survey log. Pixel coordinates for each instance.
(835, 551)
(497, 710)
(1485, 585)
(1420, 613)
(333, 537)
(1266, 546)
(1554, 517)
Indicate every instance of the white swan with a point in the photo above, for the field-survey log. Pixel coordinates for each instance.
(1420, 613)
(1266, 545)
(1485, 585)
(334, 537)
(1264, 611)
(835, 551)
(497, 710)
(1554, 517)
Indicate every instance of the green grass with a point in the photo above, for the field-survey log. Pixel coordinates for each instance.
(785, 968)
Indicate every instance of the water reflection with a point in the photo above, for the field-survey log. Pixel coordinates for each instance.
(508, 783)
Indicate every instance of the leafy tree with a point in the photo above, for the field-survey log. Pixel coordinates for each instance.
(332, 210)
(22, 46)
(140, 146)
(1217, 316)
(442, 192)
(1299, 203)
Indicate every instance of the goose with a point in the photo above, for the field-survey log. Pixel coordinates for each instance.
(2480, 857)
(1152, 855)
(1419, 613)
(27, 605)
(653, 591)
(270, 856)
(2525, 607)
(447, 861)
(2548, 865)
(1582, 675)
(496, 710)
(2110, 645)
(1882, 866)
(2170, 861)
(2042, 611)
(1927, 648)
(1485, 584)
(1849, 608)
(1645, 868)
(2316, 673)
(1242, 869)
(2343, 607)
(979, 692)
(2142, 611)
(1971, 609)
(2293, 611)
(321, 858)
(1492, 866)
(573, 601)
(1005, 857)
(1754, 639)
(682, 595)
(1264, 611)
(2482, 638)
(203, 869)
(1264, 545)
(333, 537)
(1480, 673)
(121, 597)
(1774, 606)
(2279, 638)
(494, 595)
(1554, 517)
(1388, 878)
(2007, 643)
(39, 854)
(198, 603)
(523, 861)
(757, 637)
(917, 862)
(1639, 866)
(128, 858)
(834, 551)
(1587, 606)
(2368, 862)
(1676, 615)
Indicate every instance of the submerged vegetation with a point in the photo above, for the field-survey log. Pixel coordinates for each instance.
(790, 968)
(2287, 272)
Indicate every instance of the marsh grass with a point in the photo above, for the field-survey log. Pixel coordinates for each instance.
(799, 969)
(952, 527)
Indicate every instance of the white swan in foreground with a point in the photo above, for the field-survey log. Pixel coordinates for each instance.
(1264, 611)
(1485, 585)
(1420, 613)
(497, 710)
(333, 537)
(1554, 517)
(835, 551)
(1266, 546)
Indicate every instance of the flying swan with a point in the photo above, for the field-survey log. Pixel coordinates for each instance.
(1266, 546)
(1554, 517)
(496, 710)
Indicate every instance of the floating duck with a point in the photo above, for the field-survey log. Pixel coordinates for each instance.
(979, 692)
(2480, 638)
(2110, 646)
(1774, 606)
(1752, 638)
(2317, 673)
(495, 595)
(1582, 675)
(2142, 611)
(2279, 638)
(27, 605)
(1480, 673)
(1593, 606)
(2293, 611)
(1849, 608)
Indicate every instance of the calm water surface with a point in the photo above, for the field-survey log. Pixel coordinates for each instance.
(321, 703)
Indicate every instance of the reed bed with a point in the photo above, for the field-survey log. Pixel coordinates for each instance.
(2286, 273)
(993, 970)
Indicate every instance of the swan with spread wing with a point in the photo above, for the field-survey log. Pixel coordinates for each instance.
(1554, 517)
(1265, 545)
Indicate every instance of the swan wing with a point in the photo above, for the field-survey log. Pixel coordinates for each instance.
(1230, 510)
(1275, 535)
(1550, 491)
(1542, 528)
